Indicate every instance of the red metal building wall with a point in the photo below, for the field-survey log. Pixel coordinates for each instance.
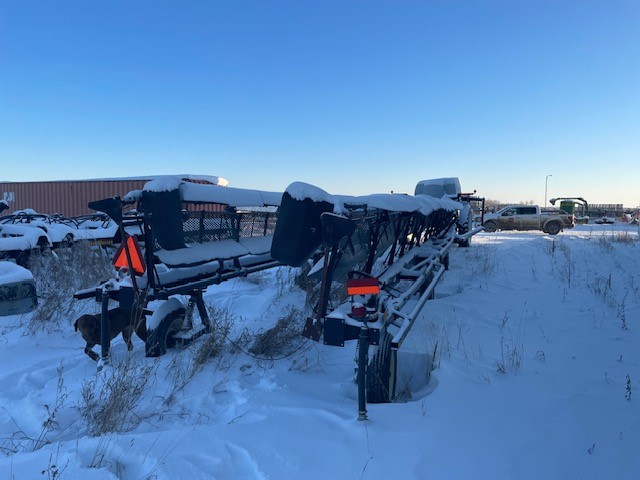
(69, 198)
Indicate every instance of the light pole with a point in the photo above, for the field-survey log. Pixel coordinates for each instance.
(546, 182)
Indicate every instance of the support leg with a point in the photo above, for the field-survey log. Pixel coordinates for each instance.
(363, 349)
(105, 328)
(202, 310)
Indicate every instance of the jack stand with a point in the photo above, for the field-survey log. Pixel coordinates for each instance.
(363, 349)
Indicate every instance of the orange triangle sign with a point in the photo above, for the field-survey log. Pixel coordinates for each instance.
(137, 262)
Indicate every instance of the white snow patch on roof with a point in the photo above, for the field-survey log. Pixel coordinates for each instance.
(440, 181)
(439, 187)
(213, 179)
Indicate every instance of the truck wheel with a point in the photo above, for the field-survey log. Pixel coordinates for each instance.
(553, 228)
(381, 372)
(490, 226)
(161, 338)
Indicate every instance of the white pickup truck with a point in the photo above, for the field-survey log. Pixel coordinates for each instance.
(528, 217)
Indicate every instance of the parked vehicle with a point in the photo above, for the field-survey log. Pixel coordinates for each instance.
(58, 229)
(569, 204)
(97, 228)
(439, 187)
(449, 187)
(17, 290)
(17, 242)
(528, 217)
(64, 231)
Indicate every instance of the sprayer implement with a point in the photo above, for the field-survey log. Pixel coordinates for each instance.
(390, 251)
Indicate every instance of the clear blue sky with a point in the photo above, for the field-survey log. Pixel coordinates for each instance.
(355, 97)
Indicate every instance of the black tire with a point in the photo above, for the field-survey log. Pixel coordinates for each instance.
(490, 226)
(553, 228)
(381, 372)
(161, 338)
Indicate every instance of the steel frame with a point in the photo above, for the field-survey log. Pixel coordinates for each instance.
(136, 298)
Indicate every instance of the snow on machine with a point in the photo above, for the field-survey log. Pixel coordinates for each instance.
(181, 238)
(17, 290)
(393, 250)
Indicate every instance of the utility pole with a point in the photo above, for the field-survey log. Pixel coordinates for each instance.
(546, 182)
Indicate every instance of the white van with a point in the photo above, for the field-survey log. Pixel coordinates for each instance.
(439, 187)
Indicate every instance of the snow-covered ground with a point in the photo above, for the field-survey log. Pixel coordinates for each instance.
(537, 377)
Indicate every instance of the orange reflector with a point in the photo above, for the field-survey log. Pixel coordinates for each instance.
(137, 262)
(363, 286)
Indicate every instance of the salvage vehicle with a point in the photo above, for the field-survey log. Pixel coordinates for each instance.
(63, 231)
(17, 290)
(17, 242)
(528, 217)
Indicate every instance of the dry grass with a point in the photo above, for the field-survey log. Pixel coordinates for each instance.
(110, 401)
(183, 368)
(511, 347)
(281, 340)
(625, 237)
(59, 275)
(483, 261)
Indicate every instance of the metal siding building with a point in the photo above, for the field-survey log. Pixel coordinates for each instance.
(70, 197)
